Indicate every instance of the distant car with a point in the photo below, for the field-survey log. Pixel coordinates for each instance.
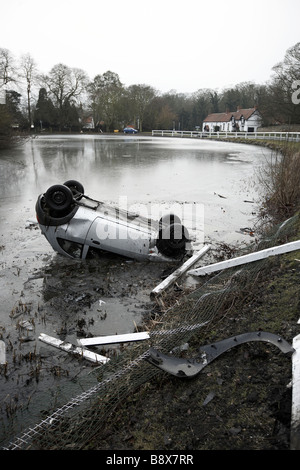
(78, 226)
(130, 130)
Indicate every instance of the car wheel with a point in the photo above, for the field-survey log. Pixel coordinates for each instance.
(59, 197)
(172, 240)
(169, 219)
(75, 186)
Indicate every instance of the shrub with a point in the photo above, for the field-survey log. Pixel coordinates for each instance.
(280, 178)
(5, 127)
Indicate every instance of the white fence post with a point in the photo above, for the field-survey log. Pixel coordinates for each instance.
(2, 352)
(295, 421)
(244, 259)
(288, 136)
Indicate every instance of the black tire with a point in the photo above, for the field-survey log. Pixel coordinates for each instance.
(75, 186)
(59, 217)
(172, 240)
(169, 219)
(59, 198)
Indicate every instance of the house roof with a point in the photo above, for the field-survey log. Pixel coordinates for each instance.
(225, 117)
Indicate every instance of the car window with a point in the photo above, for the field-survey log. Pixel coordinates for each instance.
(73, 249)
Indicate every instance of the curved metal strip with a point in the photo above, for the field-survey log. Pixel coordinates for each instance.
(181, 367)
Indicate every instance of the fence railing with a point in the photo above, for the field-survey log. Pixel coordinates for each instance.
(282, 136)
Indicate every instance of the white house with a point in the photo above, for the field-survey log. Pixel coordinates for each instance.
(88, 123)
(244, 120)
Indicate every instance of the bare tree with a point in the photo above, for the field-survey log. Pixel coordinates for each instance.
(7, 67)
(286, 73)
(288, 70)
(166, 117)
(7, 72)
(66, 85)
(29, 73)
(105, 93)
(140, 96)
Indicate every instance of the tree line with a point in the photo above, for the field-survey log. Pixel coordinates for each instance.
(65, 99)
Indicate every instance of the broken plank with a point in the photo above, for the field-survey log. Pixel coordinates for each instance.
(295, 419)
(258, 255)
(70, 348)
(126, 338)
(2, 352)
(178, 272)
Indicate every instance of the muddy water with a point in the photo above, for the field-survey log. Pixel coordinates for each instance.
(42, 292)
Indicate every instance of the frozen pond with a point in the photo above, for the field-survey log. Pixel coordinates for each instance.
(138, 170)
(68, 298)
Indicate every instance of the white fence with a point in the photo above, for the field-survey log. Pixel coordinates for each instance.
(282, 136)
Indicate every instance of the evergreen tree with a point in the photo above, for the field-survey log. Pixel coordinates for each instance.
(45, 115)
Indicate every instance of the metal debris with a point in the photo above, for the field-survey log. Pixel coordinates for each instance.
(188, 368)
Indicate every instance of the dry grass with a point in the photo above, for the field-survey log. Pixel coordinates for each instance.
(280, 179)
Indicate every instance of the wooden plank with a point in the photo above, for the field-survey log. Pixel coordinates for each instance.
(70, 348)
(179, 272)
(126, 338)
(258, 255)
(295, 419)
(2, 352)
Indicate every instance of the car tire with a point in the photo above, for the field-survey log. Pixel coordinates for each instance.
(59, 198)
(172, 239)
(75, 186)
(169, 219)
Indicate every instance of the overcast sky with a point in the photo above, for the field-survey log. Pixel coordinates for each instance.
(177, 45)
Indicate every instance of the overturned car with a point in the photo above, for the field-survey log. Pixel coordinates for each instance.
(78, 226)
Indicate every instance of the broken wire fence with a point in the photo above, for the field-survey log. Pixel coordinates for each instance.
(75, 424)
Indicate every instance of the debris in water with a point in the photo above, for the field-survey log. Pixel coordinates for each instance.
(209, 398)
(220, 195)
(26, 324)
